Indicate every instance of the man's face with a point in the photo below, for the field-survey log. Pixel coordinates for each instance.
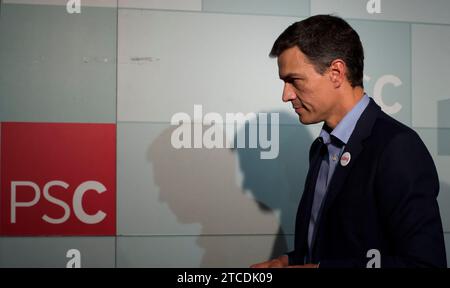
(312, 95)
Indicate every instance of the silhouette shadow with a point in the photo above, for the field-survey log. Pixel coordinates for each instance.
(201, 186)
(277, 184)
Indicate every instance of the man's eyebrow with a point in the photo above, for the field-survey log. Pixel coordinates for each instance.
(290, 76)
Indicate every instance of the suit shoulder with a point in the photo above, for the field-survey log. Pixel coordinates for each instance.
(387, 128)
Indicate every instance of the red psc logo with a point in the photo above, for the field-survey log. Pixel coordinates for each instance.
(57, 179)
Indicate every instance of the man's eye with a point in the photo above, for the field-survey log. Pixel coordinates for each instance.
(292, 80)
(297, 82)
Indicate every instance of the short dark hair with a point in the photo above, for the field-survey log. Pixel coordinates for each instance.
(324, 38)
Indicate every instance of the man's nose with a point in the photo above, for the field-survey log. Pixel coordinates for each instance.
(288, 93)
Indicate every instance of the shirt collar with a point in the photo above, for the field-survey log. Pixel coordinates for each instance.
(345, 127)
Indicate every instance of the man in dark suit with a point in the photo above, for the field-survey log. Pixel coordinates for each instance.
(372, 184)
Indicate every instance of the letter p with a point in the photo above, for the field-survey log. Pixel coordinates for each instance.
(15, 204)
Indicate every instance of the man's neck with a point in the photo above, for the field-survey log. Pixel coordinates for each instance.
(345, 106)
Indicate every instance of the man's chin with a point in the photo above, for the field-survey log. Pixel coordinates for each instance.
(303, 120)
(306, 121)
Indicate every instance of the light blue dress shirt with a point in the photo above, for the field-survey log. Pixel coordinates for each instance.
(335, 142)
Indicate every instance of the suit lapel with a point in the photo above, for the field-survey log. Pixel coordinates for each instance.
(354, 146)
(305, 205)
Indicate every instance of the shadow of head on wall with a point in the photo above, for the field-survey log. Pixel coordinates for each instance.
(201, 185)
(277, 184)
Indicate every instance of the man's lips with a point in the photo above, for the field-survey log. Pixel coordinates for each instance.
(299, 109)
(297, 105)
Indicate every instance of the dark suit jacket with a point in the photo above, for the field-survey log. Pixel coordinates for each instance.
(384, 199)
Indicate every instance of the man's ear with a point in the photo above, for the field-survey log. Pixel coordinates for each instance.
(337, 72)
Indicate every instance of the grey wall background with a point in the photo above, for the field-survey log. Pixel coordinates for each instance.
(137, 63)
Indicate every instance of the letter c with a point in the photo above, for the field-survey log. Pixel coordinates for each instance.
(378, 89)
(78, 205)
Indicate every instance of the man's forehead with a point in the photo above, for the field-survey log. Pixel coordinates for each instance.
(292, 61)
(291, 53)
(287, 67)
